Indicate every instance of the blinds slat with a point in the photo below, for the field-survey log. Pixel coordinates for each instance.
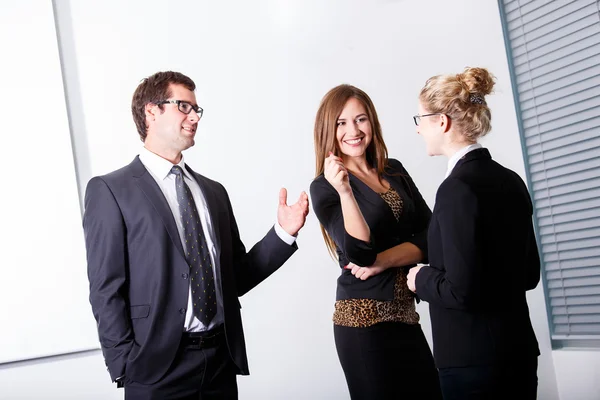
(569, 23)
(568, 208)
(576, 319)
(562, 102)
(562, 161)
(552, 55)
(560, 237)
(570, 226)
(574, 273)
(544, 201)
(561, 69)
(564, 59)
(592, 84)
(577, 329)
(564, 184)
(569, 217)
(526, 92)
(565, 151)
(567, 171)
(535, 136)
(566, 140)
(534, 117)
(560, 246)
(566, 179)
(510, 5)
(587, 309)
(574, 300)
(560, 122)
(554, 11)
(527, 12)
(578, 263)
(564, 27)
(565, 293)
(572, 255)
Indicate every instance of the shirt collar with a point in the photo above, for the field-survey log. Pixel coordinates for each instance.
(460, 154)
(158, 166)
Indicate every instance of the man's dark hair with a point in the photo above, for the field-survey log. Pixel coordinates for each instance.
(153, 89)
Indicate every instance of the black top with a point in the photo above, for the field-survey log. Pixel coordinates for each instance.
(386, 231)
(483, 258)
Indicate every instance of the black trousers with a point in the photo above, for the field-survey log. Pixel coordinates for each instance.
(389, 360)
(516, 379)
(199, 372)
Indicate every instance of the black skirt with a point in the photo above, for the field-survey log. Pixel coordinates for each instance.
(389, 360)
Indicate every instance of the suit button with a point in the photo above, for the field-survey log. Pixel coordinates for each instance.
(184, 276)
(182, 311)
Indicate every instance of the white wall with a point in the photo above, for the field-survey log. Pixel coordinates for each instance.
(73, 377)
(261, 69)
(578, 374)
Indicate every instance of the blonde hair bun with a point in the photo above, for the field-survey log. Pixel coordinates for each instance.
(477, 80)
(461, 97)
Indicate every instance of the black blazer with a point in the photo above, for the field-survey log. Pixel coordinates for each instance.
(386, 232)
(483, 258)
(138, 272)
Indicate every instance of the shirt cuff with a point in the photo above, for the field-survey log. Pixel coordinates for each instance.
(283, 235)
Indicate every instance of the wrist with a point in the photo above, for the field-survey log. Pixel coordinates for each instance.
(382, 262)
(345, 194)
(284, 234)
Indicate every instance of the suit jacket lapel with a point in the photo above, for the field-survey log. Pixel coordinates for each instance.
(155, 196)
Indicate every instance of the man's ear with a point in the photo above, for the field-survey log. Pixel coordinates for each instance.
(151, 110)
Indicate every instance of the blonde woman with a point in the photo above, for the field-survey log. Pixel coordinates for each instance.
(482, 250)
(374, 221)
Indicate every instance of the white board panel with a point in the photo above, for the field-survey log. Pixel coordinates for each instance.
(44, 308)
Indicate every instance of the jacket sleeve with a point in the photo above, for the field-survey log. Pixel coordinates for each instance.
(104, 231)
(460, 285)
(328, 209)
(422, 214)
(532, 267)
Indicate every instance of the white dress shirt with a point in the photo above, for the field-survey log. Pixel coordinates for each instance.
(160, 169)
(460, 154)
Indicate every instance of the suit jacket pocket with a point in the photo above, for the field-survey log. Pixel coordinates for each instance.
(139, 311)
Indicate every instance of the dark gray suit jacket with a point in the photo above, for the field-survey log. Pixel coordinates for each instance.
(138, 272)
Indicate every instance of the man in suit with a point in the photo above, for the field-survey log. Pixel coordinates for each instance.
(165, 261)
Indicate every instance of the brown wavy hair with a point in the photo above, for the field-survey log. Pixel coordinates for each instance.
(325, 138)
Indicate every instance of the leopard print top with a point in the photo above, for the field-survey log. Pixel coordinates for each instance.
(393, 199)
(360, 313)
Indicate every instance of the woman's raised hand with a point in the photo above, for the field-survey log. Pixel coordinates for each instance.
(337, 174)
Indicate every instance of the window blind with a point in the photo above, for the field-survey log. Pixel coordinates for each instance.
(553, 49)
